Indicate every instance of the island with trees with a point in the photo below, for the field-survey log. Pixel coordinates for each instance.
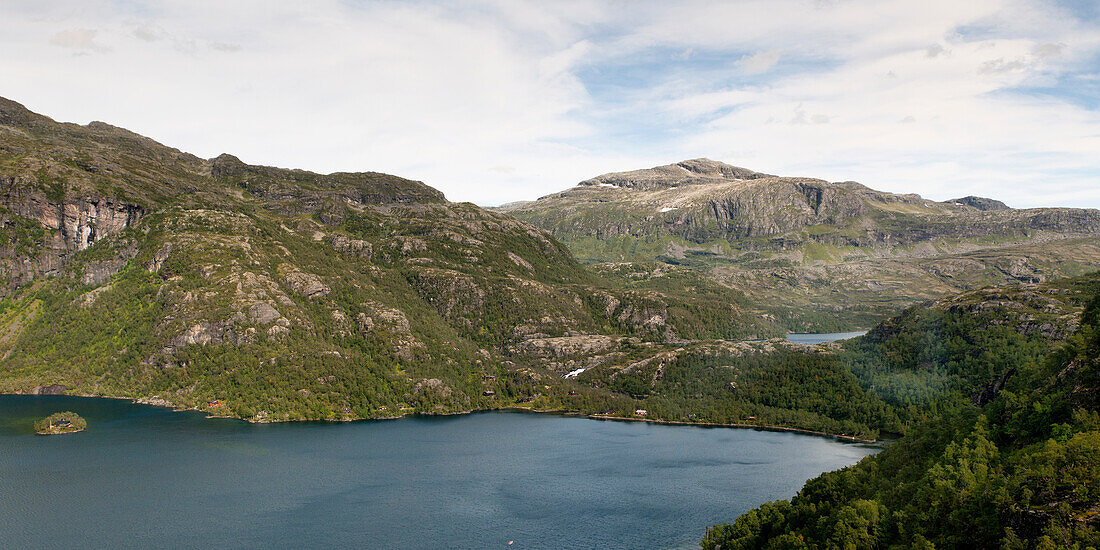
(60, 423)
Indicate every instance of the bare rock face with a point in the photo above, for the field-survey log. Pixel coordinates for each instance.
(199, 334)
(303, 284)
(81, 221)
(263, 313)
(98, 272)
(159, 258)
(71, 224)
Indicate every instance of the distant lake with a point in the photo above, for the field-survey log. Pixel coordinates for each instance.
(147, 477)
(821, 338)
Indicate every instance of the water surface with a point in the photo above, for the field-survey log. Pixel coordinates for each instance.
(143, 477)
(822, 337)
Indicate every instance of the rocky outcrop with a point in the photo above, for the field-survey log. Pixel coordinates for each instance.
(263, 313)
(981, 203)
(432, 386)
(566, 346)
(688, 172)
(67, 226)
(352, 247)
(391, 323)
(159, 257)
(303, 284)
(79, 221)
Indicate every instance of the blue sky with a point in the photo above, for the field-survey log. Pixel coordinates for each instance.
(496, 101)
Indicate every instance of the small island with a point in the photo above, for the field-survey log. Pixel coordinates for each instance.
(66, 422)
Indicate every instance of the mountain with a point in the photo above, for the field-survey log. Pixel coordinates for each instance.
(818, 255)
(131, 269)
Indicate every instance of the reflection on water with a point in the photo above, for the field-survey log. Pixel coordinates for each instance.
(821, 338)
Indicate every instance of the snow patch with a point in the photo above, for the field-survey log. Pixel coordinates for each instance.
(573, 374)
(668, 209)
(611, 185)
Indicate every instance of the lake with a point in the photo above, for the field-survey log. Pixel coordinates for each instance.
(822, 337)
(144, 476)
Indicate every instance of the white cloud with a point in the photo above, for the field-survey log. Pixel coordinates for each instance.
(82, 40)
(497, 100)
(758, 62)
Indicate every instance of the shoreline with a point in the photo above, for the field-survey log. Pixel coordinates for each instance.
(60, 433)
(766, 427)
(560, 412)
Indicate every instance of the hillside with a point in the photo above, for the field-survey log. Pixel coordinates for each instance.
(135, 270)
(821, 255)
(998, 389)
(129, 268)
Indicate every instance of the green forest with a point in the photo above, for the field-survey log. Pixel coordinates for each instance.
(1001, 447)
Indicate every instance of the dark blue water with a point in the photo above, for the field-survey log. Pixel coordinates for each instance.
(143, 477)
(822, 337)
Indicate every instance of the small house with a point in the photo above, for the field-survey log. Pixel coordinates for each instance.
(641, 412)
(489, 393)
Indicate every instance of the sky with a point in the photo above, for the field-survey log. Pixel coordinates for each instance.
(498, 101)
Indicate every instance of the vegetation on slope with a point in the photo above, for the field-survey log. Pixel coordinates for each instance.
(274, 294)
(1004, 449)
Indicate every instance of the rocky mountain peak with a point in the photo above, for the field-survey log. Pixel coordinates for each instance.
(981, 203)
(689, 172)
(713, 168)
(15, 114)
(226, 165)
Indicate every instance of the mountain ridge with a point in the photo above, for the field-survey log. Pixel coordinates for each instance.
(868, 252)
(132, 269)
